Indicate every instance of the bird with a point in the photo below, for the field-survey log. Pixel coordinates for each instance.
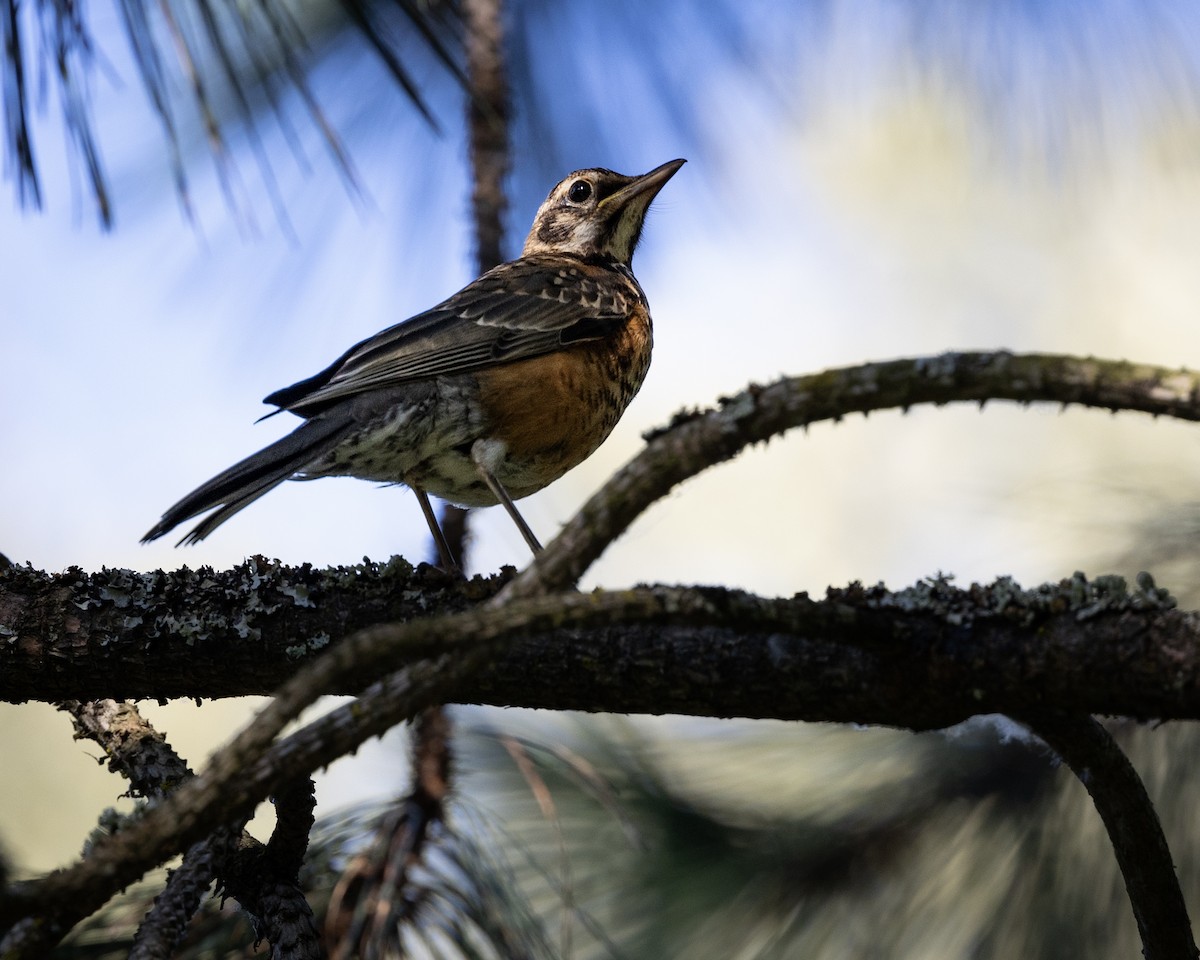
(487, 397)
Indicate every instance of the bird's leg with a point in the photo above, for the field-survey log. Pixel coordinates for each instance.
(487, 455)
(435, 528)
(501, 494)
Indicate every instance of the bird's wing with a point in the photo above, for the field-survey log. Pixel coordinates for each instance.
(520, 309)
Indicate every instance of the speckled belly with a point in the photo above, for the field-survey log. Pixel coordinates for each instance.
(553, 412)
(420, 435)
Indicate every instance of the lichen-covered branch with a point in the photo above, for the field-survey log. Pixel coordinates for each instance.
(135, 750)
(221, 793)
(198, 633)
(923, 657)
(697, 440)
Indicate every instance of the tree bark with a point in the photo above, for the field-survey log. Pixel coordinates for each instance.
(920, 658)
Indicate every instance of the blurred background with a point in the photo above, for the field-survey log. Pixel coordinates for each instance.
(866, 180)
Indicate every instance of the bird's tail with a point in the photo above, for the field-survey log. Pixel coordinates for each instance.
(245, 482)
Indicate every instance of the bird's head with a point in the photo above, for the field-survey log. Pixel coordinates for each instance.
(596, 213)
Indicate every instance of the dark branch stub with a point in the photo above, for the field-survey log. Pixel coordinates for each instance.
(1133, 827)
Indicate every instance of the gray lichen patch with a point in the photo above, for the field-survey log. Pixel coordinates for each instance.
(195, 604)
(1006, 599)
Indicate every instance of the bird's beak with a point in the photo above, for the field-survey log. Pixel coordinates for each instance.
(647, 184)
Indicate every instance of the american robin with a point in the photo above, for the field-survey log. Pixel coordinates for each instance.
(492, 394)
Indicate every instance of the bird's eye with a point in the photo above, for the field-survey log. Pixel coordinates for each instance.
(580, 191)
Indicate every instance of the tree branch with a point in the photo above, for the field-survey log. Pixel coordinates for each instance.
(902, 668)
(1133, 826)
(198, 633)
(695, 441)
(923, 657)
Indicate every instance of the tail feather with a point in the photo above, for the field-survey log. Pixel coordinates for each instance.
(245, 482)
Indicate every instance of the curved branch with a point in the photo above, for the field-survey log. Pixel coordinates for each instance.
(695, 441)
(1133, 826)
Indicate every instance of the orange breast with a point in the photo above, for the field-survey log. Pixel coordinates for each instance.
(553, 411)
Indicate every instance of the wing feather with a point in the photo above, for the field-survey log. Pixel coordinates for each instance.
(521, 309)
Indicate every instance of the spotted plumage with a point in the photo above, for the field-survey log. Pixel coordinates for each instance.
(492, 394)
